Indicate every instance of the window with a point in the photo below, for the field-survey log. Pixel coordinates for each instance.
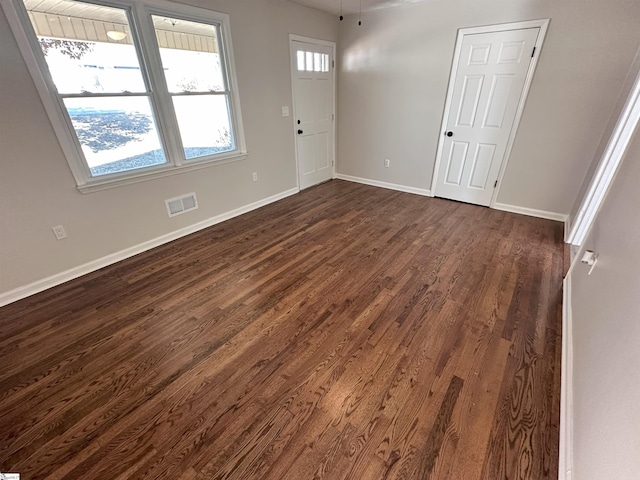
(312, 61)
(133, 89)
(190, 54)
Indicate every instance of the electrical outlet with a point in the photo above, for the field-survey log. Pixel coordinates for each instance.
(285, 111)
(59, 232)
(255, 176)
(387, 163)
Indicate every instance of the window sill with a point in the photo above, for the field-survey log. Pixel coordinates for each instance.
(98, 184)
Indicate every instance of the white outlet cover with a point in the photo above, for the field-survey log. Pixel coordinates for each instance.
(285, 111)
(59, 232)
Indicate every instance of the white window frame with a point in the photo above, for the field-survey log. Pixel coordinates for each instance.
(160, 98)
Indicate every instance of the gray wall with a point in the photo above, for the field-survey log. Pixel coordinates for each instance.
(606, 336)
(394, 72)
(38, 191)
(634, 70)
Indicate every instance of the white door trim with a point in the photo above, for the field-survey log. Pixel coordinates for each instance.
(565, 454)
(611, 159)
(543, 24)
(325, 43)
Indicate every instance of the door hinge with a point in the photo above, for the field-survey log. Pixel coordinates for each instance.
(333, 117)
(333, 64)
(534, 52)
(495, 184)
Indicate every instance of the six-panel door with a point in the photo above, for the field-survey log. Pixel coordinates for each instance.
(488, 85)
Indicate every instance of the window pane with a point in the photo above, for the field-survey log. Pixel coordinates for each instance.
(309, 61)
(88, 47)
(205, 127)
(116, 133)
(300, 60)
(190, 55)
(325, 62)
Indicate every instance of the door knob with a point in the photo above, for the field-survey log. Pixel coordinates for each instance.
(300, 132)
(449, 134)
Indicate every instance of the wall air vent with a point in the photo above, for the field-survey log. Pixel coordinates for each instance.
(181, 204)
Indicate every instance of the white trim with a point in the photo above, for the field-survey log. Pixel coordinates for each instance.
(565, 461)
(62, 277)
(532, 212)
(145, 174)
(567, 228)
(611, 159)
(325, 43)
(316, 41)
(390, 186)
(543, 25)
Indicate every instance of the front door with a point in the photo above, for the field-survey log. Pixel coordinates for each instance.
(488, 83)
(313, 90)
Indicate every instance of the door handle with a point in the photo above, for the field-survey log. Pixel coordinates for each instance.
(300, 132)
(449, 134)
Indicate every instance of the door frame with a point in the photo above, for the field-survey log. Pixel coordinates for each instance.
(543, 25)
(325, 43)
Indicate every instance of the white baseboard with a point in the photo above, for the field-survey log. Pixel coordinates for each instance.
(62, 277)
(565, 464)
(427, 193)
(532, 212)
(390, 186)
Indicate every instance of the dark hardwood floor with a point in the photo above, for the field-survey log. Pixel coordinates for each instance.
(345, 332)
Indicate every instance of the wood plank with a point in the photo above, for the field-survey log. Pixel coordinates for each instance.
(345, 332)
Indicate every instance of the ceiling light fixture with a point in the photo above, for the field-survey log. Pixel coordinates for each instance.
(116, 35)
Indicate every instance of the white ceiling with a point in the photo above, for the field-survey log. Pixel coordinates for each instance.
(71, 8)
(352, 6)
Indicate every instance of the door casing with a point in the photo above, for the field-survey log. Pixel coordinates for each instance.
(543, 24)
